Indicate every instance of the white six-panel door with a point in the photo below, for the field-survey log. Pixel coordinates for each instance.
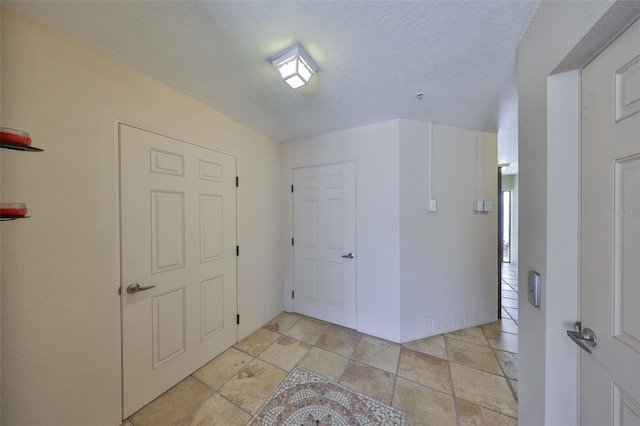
(324, 255)
(178, 233)
(610, 253)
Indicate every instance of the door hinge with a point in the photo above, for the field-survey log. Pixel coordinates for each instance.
(292, 241)
(238, 319)
(292, 189)
(237, 250)
(237, 181)
(293, 294)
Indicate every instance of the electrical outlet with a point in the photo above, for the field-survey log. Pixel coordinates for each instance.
(488, 206)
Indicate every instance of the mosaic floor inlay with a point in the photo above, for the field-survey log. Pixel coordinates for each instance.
(308, 399)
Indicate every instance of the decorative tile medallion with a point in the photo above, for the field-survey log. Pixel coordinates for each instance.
(308, 399)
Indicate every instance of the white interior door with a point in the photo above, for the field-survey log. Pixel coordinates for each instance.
(178, 225)
(324, 251)
(610, 290)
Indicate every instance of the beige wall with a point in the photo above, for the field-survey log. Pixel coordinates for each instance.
(61, 267)
(0, 226)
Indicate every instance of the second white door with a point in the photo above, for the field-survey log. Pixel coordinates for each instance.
(324, 251)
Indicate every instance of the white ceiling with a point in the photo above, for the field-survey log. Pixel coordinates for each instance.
(373, 56)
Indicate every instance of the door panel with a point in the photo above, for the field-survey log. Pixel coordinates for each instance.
(324, 212)
(626, 292)
(178, 234)
(167, 231)
(610, 233)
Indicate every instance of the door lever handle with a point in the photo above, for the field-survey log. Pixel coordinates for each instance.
(348, 256)
(583, 337)
(135, 287)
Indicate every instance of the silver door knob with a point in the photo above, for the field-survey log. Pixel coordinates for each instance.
(583, 337)
(135, 287)
(348, 256)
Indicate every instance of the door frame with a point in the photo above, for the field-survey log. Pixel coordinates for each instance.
(500, 239)
(561, 292)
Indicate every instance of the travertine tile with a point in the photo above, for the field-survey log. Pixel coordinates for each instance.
(370, 381)
(423, 406)
(484, 389)
(307, 330)
(423, 387)
(217, 371)
(378, 353)
(252, 385)
(509, 363)
(216, 411)
(325, 363)
(470, 414)
(340, 340)
(514, 387)
(431, 345)
(506, 325)
(174, 404)
(425, 369)
(503, 341)
(257, 342)
(282, 323)
(472, 335)
(473, 355)
(285, 352)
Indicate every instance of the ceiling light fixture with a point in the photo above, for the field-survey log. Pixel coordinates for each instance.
(295, 66)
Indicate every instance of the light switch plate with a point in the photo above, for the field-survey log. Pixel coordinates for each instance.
(535, 288)
(478, 206)
(433, 206)
(488, 206)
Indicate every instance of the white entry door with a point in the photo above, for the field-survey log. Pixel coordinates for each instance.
(610, 288)
(178, 233)
(324, 251)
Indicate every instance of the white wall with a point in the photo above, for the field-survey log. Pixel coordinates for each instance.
(375, 150)
(61, 267)
(508, 120)
(552, 38)
(412, 266)
(448, 258)
(563, 177)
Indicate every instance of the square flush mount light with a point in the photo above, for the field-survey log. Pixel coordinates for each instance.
(295, 66)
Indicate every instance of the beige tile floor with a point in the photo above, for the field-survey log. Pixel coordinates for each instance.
(468, 377)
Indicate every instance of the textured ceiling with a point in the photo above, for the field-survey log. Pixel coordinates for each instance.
(374, 57)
